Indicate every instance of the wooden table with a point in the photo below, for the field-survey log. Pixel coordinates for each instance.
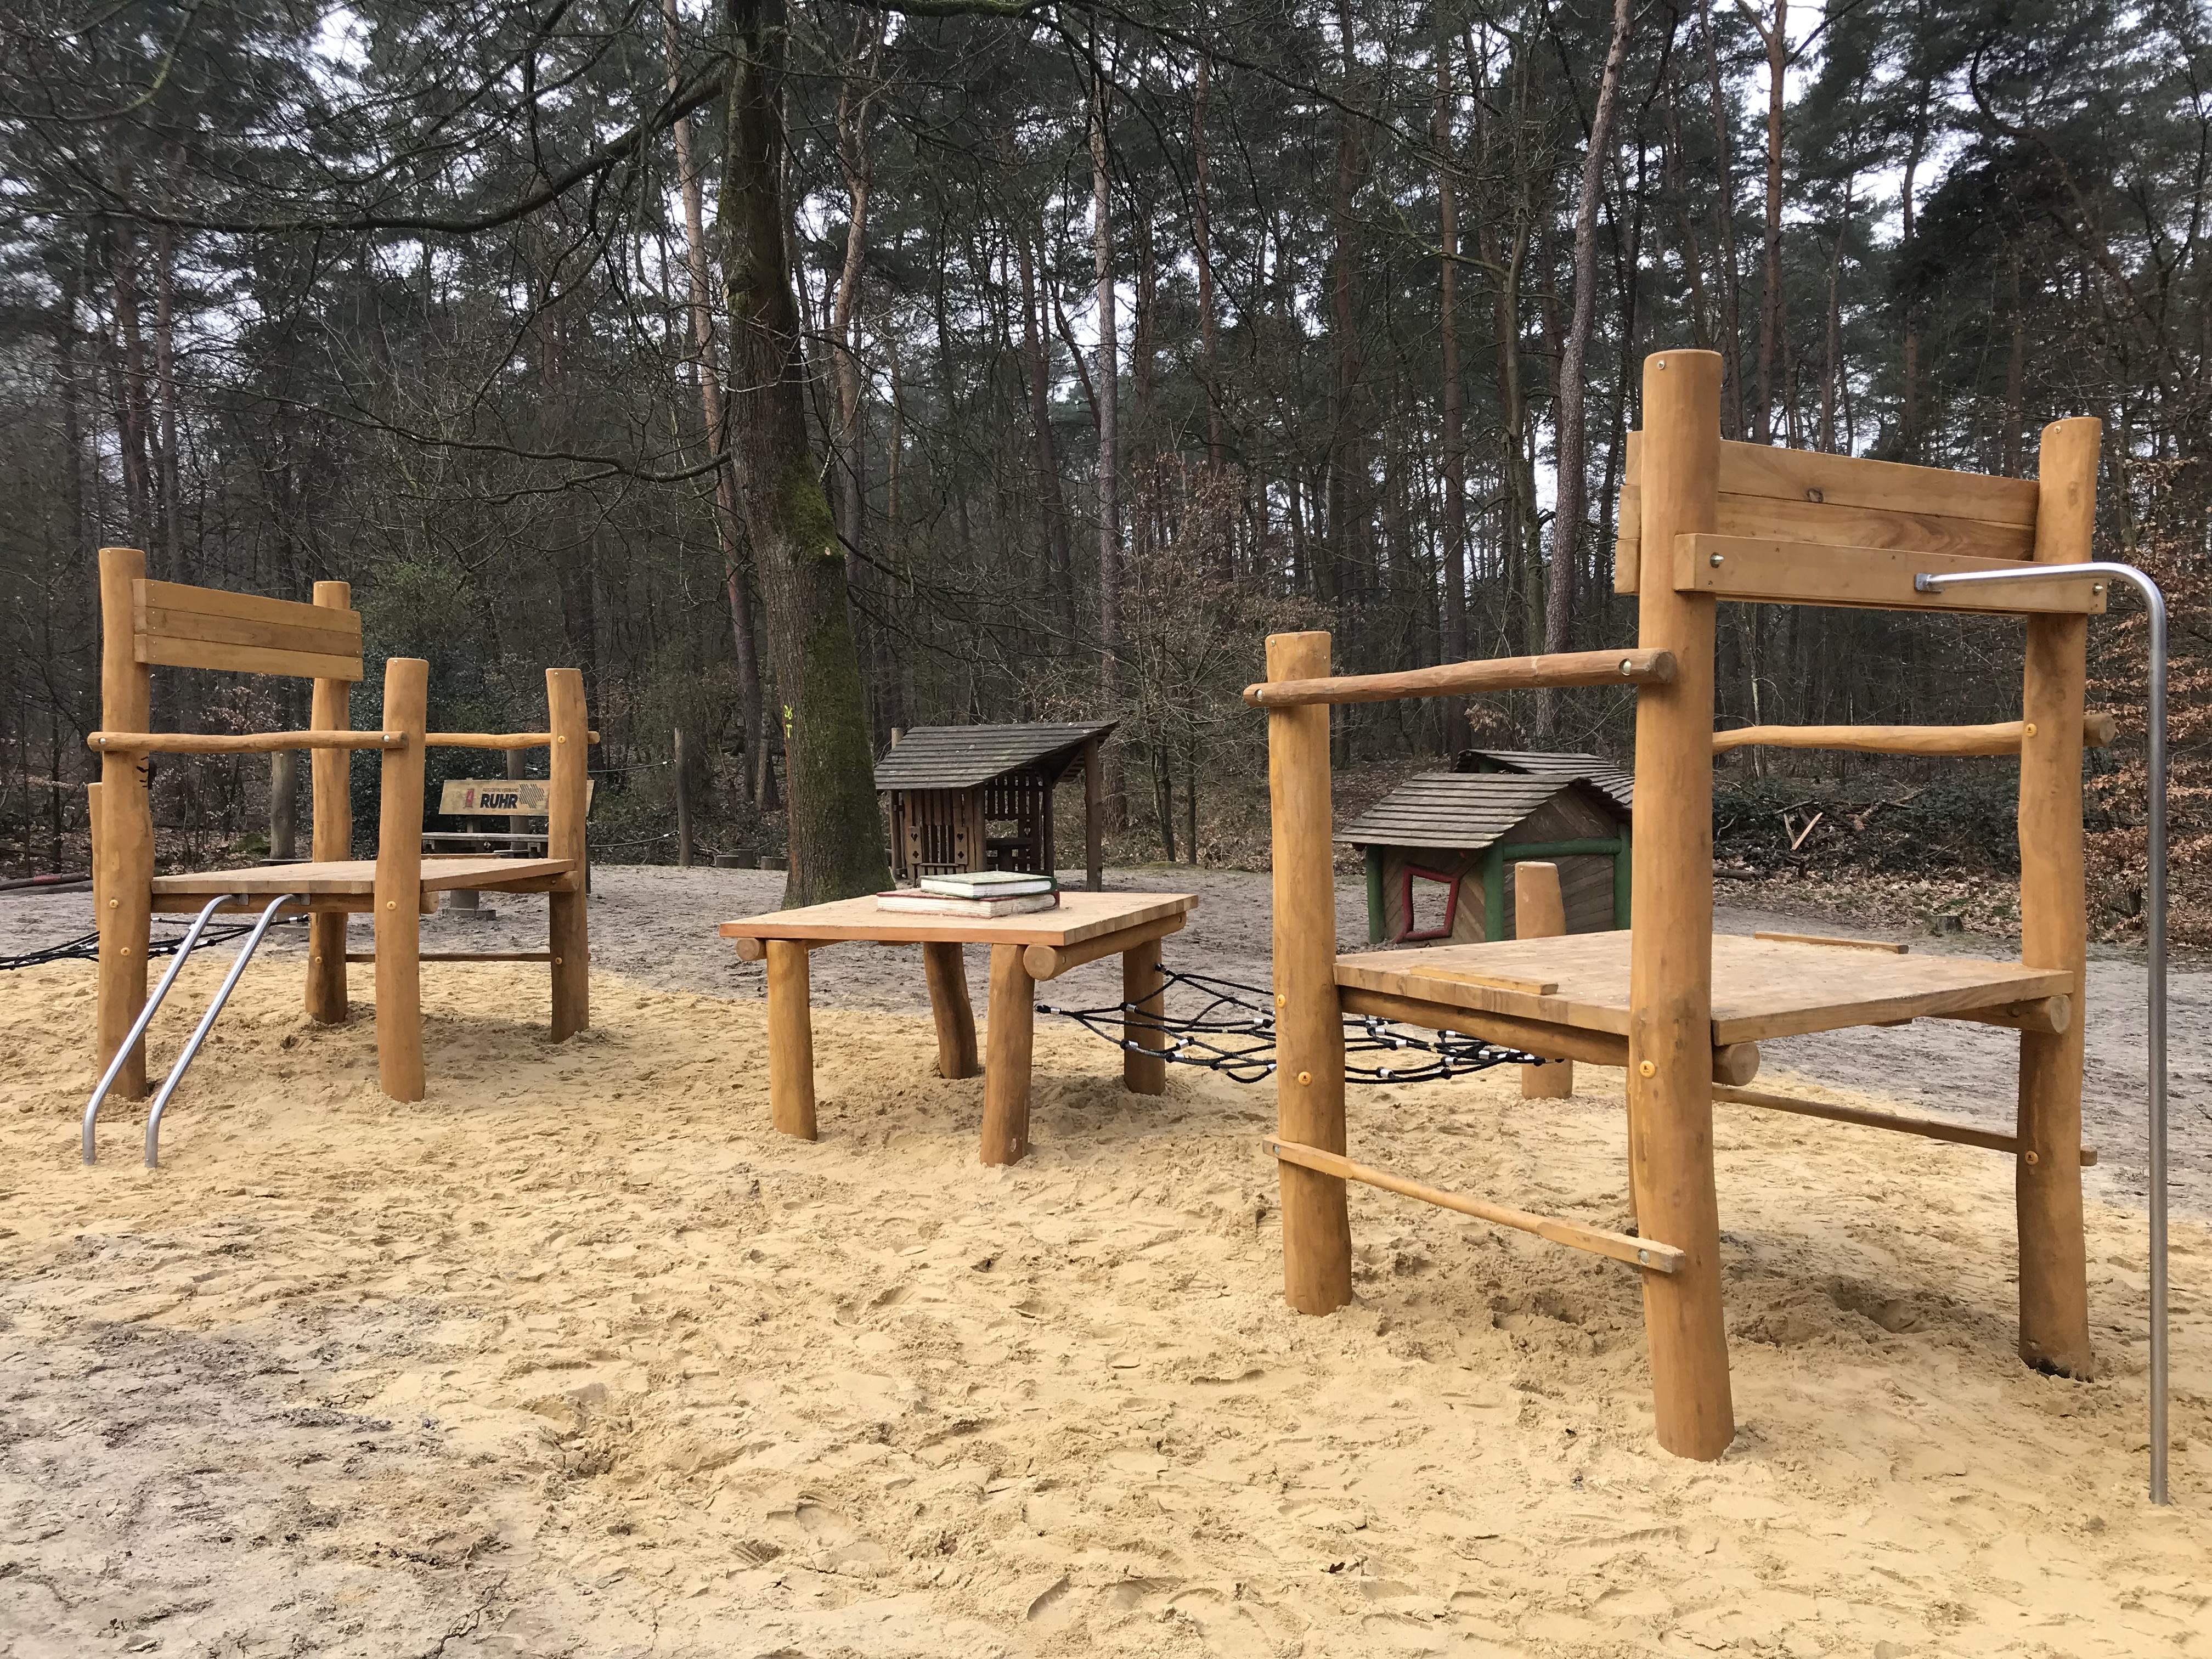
(1024, 949)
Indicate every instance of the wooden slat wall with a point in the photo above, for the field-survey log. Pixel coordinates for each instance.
(180, 627)
(1846, 501)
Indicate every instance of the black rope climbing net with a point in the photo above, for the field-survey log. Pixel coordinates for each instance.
(85, 947)
(1233, 1032)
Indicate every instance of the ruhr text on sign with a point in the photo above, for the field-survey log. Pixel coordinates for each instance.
(521, 797)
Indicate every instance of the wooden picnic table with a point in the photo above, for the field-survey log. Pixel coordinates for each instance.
(1024, 949)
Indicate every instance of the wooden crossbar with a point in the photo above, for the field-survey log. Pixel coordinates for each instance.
(1932, 1128)
(239, 743)
(1565, 668)
(2001, 737)
(1637, 1251)
(1764, 569)
(494, 739)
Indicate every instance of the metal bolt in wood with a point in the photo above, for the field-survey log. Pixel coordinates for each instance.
(1648, 1069)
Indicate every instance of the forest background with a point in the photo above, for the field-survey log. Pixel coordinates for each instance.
(804, 372)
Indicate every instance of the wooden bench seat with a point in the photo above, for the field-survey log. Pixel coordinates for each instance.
(1762, 988)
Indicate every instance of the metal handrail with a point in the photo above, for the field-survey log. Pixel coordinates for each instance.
(146, 1018)
(2155, 602)
(207, 1023)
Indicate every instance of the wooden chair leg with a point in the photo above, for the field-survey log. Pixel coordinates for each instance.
(123, 875)
(326, 968)
(1308, 1016)
(943, 966)
(399, 966)
(568, 938)
(2054, 1271)
(568, 798)
(123, 882)
(1670, 1104)
(329, 776)
(1144, 989)
(1010, 1037)
(1539, 912)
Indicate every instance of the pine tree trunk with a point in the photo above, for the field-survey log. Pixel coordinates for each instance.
(1202, 251)
(169, 483)
(758, 780)
(1570, 425)
(1344, 548)
(1050, 504)
(1108, 395)
(1773, 310)
(1731, 340)
(1456, 735)
(836, 832)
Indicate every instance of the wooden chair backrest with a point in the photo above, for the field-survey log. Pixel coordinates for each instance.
(1845, 500)
(175, 626)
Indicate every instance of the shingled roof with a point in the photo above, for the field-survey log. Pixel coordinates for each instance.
(1465, 811)
(961, 756)
(1547, 764)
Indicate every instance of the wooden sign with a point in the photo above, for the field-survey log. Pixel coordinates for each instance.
(518, 798)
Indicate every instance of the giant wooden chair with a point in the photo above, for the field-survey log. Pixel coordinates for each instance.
(144, 624)
(1677, 1006)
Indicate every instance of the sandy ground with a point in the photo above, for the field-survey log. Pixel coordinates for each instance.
(576, 1357)
(655, 924)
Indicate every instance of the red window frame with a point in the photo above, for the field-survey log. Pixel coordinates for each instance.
(1451, 901)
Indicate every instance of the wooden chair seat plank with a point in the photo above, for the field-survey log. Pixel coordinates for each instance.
(1762, 988)
(354, 876)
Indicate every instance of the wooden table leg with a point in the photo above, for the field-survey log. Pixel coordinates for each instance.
(1143, 994)
(1010, 1035)
(790, 1040)
(947, 974)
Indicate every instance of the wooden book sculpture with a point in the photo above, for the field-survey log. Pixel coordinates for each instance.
(1681, 1008)
(145, 623)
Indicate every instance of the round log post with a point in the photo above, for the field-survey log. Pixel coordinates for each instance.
(2054, 1285)
(1308, 1023)
(1670, 1104)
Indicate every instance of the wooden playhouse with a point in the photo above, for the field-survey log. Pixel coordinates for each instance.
(979, 797)
(1438, 847)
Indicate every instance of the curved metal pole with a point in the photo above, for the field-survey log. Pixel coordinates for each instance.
(146, 1018)
(2154, 605)
(207, 1023)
